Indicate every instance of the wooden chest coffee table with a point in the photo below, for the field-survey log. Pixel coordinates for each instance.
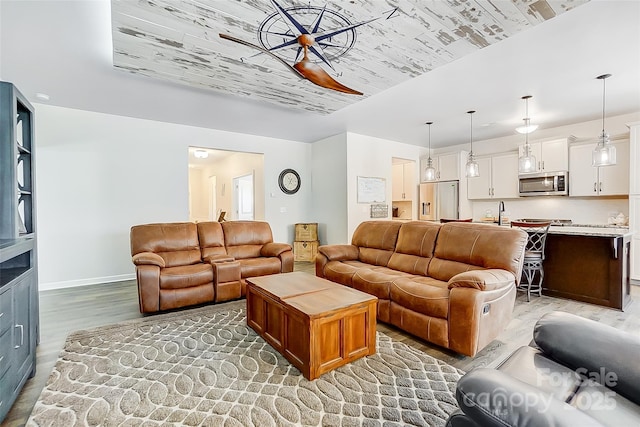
(317, 325)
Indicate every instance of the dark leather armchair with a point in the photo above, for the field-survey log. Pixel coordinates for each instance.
(577, 372)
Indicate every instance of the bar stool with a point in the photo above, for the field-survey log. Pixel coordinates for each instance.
(533, 255)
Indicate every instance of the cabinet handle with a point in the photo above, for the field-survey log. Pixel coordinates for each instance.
(595, 187)
(543, 165)
(438, 174)
(600, 188)
(21, 336)
(539, 167)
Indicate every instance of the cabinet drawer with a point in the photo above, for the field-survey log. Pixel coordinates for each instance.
(306, 232)
(6, 347)
(305, 251)
(5, 311)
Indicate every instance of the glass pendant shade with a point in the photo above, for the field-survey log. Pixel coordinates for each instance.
(527, 161)
(472, 169)
(430, 171)
(604, 154)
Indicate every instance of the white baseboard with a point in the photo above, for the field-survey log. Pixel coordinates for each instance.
(85, 282)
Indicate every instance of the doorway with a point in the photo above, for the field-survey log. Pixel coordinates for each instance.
(211, 184)
(243, 197)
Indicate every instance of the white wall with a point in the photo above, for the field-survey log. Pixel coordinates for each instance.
(99, 174)
(372, 157)
(198, 195)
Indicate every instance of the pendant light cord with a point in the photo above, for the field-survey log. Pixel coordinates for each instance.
(604, 90)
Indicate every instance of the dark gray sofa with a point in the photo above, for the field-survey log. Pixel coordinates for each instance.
(576, 372)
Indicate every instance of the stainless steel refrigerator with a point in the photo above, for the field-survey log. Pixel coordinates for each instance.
(439, 200)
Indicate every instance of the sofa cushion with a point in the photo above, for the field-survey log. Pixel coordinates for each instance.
(211, 239)
(376, 240)
(253, 267)
(244, 239)
(343, 271)
(414, 248)
(186, 276)
(423, 295)
(376, 281)
(466, 246)
(177, 243)
(530, 366)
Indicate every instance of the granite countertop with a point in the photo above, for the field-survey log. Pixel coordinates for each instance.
(597, 230)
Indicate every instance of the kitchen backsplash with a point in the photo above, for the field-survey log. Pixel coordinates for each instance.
(579, 210)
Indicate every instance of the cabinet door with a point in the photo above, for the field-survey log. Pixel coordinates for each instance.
(480, 187)
(397, 182)
(536, 150)
(23, 337)
(409, 185)
(554, 155)
(504, 176)
(583, 178)
(448, 168)
(614, 180)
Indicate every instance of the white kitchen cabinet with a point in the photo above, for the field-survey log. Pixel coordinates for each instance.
(498, 178)
(403, 182)
(551, 156)
(586, 180)
(447, 166)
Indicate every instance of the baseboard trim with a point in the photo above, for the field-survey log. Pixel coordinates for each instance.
(85, 282)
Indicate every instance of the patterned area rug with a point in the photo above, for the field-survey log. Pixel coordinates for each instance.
(205, 367)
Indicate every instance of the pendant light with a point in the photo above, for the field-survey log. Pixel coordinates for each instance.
(604, 154)
(527, 161)
(430, 171)
(472, 166)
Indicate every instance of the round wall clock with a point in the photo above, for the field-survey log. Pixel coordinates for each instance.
(289, 181)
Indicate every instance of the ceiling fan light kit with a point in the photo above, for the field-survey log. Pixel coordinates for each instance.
(527, 161)
(430, 171)
(604, 154)
(472, 169)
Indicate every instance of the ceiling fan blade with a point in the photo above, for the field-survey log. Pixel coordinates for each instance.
(261, 49)
(315, 74)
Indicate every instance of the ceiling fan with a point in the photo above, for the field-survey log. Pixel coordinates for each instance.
(311, 38)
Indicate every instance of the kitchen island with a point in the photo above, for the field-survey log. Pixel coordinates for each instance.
(589, 264)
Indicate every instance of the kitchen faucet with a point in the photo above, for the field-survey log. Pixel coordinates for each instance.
(500, 212)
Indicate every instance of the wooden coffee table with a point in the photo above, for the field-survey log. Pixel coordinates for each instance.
(317, 325)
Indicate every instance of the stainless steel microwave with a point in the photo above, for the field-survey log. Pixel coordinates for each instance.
(544, 184)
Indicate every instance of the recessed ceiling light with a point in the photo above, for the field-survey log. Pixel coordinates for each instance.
(201, 154)
(42, 96)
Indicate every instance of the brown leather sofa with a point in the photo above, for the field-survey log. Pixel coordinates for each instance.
(451, 284)
(182, 264)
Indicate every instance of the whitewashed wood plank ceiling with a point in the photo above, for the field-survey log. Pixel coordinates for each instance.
(177, 40)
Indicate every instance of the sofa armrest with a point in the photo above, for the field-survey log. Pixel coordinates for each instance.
(484, 280)
(148, 258)
(493, 398)
(148, 278)
(274, 249)
(339, 252)
(600, 352)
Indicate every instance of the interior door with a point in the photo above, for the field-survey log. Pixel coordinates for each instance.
(243, 197)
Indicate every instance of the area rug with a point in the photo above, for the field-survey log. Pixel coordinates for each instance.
(205, 367)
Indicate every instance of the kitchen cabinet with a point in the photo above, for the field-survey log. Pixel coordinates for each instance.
(18, 270)
(498, 178)
(634, 197)
(403, 182)
(586, 180)
(588, 268)
(551, 156)
(447, 167)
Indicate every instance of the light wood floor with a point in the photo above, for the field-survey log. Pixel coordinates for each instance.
(65, 310)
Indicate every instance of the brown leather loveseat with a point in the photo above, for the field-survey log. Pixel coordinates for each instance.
(452, 284)
(184, 263)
